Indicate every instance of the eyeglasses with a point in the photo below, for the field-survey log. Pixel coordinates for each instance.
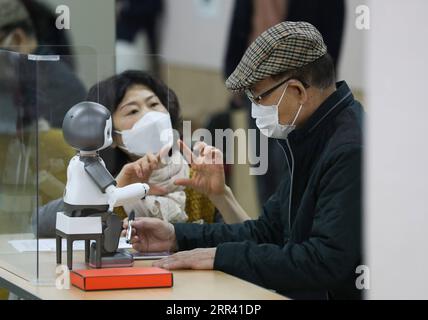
(258, 98)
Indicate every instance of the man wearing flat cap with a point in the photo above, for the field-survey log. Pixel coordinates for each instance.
(306, 242)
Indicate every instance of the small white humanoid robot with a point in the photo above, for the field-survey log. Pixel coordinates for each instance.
(91, 193)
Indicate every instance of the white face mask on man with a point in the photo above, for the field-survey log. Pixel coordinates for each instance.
(148, 135)
(267, 119)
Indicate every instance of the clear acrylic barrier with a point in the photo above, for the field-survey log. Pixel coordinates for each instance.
(35, 93)
(18, 160)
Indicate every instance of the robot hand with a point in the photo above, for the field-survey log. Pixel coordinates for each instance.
(119, 196)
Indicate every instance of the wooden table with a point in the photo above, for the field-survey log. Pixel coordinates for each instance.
(18, 274)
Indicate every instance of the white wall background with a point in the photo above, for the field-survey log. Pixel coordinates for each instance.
(196, 36)
(351, 64)
(397, 153)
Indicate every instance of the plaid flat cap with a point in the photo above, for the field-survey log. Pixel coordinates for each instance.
(12, 11)
(286, 46)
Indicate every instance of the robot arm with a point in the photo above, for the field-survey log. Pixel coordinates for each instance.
(104, 180)
(119, 196)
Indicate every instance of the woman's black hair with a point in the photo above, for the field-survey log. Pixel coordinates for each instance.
(110, 93)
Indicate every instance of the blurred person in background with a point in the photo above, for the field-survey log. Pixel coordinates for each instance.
(33, 99)
(252, 17)
(55, 85)
(50, 39)
(34, 96)
(134, 17)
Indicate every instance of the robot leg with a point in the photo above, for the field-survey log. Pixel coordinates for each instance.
(111, 234)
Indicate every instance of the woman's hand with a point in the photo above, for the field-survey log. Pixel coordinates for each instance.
(208, 172)
(137, 171)
(208, 178)
(140, 171)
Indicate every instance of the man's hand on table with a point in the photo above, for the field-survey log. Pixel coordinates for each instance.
(196, 259)
(155, 235)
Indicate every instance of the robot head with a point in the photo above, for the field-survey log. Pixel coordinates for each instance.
(87, 126)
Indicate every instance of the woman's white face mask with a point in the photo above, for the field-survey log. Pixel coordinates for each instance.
(148, 135)
(267, 119)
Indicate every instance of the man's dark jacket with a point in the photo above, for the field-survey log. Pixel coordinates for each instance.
(310, 245)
